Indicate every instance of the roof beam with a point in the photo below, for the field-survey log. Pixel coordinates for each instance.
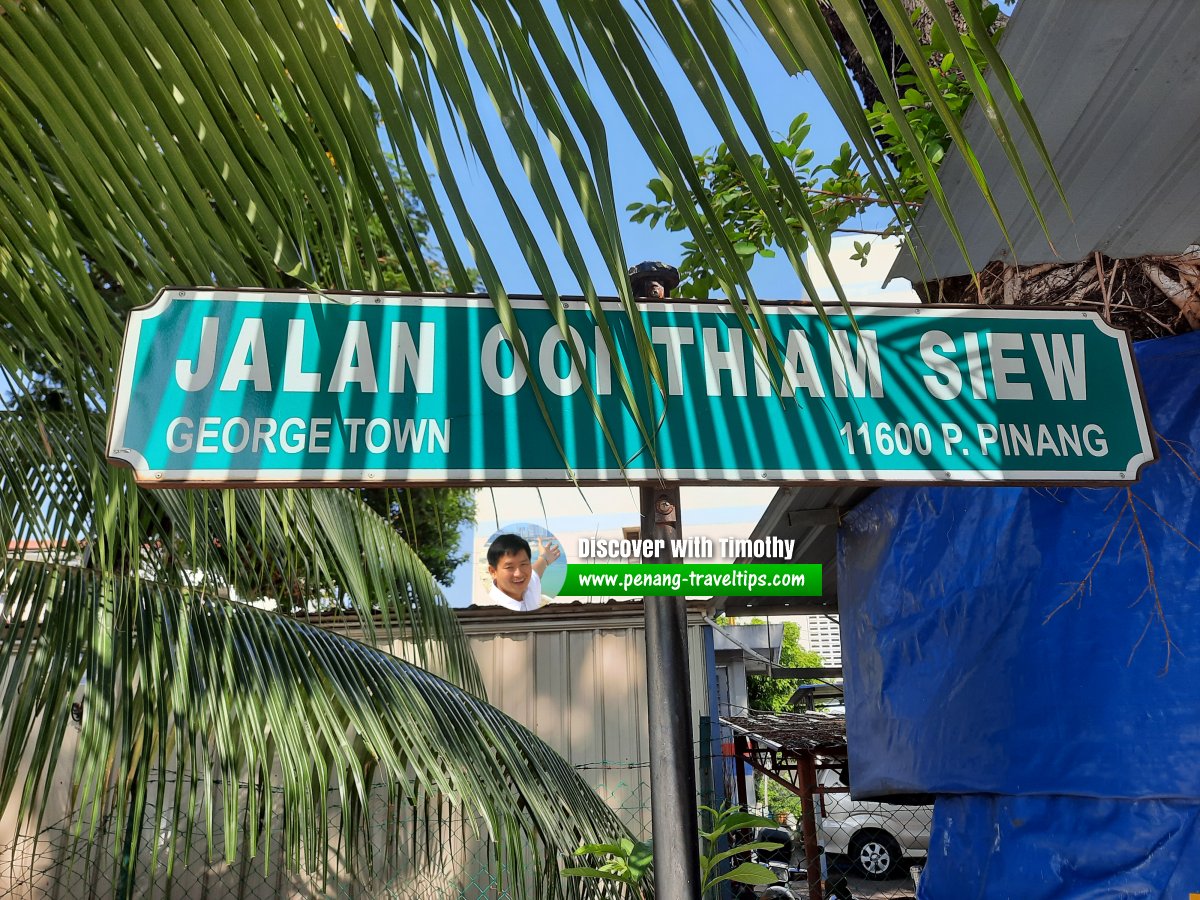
(807, 672)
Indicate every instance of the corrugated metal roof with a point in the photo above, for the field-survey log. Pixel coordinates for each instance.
(1114, 86)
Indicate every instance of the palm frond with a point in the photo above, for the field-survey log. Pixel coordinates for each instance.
(152, 142)
(243, 147)
(800, 37)
(178, 679)
(305, 552)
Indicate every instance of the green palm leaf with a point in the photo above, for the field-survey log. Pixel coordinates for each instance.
(147, 143)
(181, 680)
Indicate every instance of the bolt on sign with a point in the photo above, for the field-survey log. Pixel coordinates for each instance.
(274, 387)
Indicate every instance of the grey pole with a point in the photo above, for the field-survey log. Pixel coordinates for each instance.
(672, 761)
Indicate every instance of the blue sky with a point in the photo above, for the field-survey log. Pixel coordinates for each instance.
(783, 98)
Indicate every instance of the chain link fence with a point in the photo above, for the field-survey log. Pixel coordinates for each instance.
(867, 850)
(870, 850)
(445, 855)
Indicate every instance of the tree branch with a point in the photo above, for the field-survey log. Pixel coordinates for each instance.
(1182, 296)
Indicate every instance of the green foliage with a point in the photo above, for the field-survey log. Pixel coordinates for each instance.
(838, 193)
(725, 821)
(841, 189)
(429, 520)
(146, 144)
(628, 862)
(142, 147)
(766, 693)
(395, 270)
(933, 135)
(781, 800)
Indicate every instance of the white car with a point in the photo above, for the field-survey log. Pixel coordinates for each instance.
(875, 836)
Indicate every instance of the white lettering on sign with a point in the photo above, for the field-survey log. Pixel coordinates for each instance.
(946, 383)
(291, 435)
(854, 367)
(248, 361)
(975, 366)
(355, 363)
(207, 434)
(601, 548)
(235, 426)
(504, 385)
(673, 339)
(603, 366)
(265, 435)
(1062, 372)
(196, 376)
(408, 357)
(563, 385)
(1007, 439)
(1002, 440)
(294, 377)
(1003, 365)
(762, 377)
(800, 368)
(179, 435)
(282, 386)
(730, 360)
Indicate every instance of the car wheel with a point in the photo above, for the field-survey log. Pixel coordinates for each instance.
(874, 854)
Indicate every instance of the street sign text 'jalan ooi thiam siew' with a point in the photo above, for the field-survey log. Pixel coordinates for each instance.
(254, 387)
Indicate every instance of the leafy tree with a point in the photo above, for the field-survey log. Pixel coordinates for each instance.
(781, 800)
(766, 693)
(842, 190)
(429, 520)
(145, 144)
(910, 107)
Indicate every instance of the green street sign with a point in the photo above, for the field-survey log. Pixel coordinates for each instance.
(276, 387)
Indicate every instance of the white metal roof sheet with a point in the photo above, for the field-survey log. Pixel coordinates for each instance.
(1114, 86)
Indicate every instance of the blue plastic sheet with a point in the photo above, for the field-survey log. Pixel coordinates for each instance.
(1009, 641)
(1061, 848)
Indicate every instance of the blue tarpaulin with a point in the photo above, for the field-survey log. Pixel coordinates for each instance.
(1037, 650)
(1062, 848)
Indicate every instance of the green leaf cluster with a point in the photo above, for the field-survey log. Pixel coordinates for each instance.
(846, 193)
(725, 822)
(781, 800)
(146, 143)
(766, 694)
(429, 520)
(837, 191)
(629, 862)
(923, 118)
(625, 860)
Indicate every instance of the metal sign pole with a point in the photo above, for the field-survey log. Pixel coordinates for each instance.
(673, 810)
